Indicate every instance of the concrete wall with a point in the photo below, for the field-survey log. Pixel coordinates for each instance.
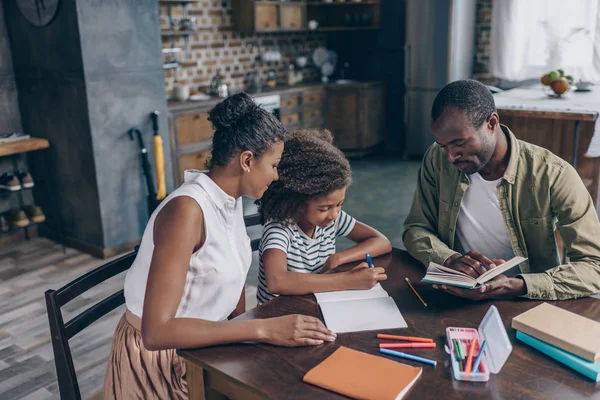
(52, 97)
(122, 62)
(84, 80)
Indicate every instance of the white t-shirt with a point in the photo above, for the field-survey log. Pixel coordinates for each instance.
(304, 254)
(480, 225)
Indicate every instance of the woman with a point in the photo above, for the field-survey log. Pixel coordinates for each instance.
(189, 274)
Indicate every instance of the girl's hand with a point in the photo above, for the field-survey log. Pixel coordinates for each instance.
(295, 330)
(363, 277)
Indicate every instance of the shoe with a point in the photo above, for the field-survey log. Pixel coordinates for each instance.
(18, 218)
(25, 178)
(3, 224)
(34, 213)
(9, 182)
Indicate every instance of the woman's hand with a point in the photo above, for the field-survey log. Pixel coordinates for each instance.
(295, 330)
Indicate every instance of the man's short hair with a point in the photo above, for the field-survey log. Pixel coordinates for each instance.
(471, 97)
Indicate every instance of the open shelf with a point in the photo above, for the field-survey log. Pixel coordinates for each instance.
(346, 3)
(177, 1)
(168, 32)
(13, 229)
(23, 146)
(346, 28)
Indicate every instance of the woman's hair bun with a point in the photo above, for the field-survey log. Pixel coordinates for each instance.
(228, 112)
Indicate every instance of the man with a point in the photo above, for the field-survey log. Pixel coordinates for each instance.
(483, 197)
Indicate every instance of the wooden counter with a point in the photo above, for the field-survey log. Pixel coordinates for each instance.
(352, 111)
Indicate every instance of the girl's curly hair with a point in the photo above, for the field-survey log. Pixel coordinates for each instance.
(310, 167)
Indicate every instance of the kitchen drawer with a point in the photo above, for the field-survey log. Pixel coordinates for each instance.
(313, 97)
(312, 114)
(289, 119)
(193, 161)
(192, 127)
(290, 101)
(265, 17)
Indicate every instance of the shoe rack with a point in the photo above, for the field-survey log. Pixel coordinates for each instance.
(16, 150)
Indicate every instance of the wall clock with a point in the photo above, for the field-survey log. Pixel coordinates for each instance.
(38, 12)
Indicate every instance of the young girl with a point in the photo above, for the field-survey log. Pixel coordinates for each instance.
(189, 274)
(303, 215)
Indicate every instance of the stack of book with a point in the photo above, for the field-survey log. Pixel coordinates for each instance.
(568, 338)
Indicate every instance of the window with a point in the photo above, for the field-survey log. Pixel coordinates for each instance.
(530, 37)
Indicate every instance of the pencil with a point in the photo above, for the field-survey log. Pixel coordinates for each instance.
(414, 291)
(405, 338)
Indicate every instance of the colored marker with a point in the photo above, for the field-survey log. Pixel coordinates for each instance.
(408, 356)
(417, 345)
(405, 338)
(478, 359)
(369, 260)
(469, 365)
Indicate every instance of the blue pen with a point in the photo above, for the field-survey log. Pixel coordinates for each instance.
(369, 260)
(408, 356)
(478, 359)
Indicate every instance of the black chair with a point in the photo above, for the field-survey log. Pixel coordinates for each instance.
(61, 332)
(253, 220)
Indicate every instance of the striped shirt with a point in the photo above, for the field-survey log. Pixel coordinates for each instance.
(304, 254)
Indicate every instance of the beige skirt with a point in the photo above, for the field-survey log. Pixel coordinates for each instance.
(136, 373)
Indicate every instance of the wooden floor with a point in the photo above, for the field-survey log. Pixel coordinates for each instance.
(27, 270)
(26, 360)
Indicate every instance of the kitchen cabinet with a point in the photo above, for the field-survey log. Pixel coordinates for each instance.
(191, 132)
(256, 16)
(355, 116)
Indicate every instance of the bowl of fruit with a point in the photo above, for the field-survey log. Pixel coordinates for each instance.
(556, 83)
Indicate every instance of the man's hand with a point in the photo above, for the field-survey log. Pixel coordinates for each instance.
(501, 286)
(473, 263)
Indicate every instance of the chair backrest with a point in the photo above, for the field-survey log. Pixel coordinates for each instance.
(61, 332)
(253, 220)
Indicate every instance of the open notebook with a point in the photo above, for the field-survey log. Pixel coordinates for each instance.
(439, 274)
(359, 310)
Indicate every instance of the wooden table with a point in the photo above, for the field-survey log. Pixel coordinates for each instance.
(259, 371)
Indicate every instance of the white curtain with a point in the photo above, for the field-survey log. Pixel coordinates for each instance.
(531, 37)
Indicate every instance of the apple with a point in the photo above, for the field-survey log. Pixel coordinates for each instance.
(560, 86)
(546, 80)
(553, 75)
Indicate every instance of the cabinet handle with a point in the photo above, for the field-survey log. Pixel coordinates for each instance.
(197, 116)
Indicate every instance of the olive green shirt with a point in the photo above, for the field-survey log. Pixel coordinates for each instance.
(538, 193)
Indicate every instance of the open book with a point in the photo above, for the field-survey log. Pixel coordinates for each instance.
(439, 274)
(359, 310)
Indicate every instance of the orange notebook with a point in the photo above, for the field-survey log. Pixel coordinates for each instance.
(363, 376)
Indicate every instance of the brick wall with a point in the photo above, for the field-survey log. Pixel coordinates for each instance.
(482, 31)
(216, 46)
